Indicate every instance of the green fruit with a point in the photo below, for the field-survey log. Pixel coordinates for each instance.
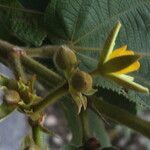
(65, 58)
(81, 81)
(11, 97)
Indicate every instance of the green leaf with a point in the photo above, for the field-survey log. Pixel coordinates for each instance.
(73, 119)
(141, 100)
(86, 23)
(5, 110)
(98, 129)
(18, 23)
(119, 100)
(122, 116)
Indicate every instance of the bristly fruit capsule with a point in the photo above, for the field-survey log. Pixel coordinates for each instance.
(80, 84)
(81, 81)
(11, 97)
(65, 58)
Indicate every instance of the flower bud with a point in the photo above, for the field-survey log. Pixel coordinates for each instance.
(11, 97)
(65, 58)
(81, 81)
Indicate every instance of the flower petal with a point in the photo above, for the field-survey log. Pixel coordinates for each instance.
(120, 63)
(118, 52)
(109, 44)
(134, 67)
(127, 77)
(128, 52)
(125, 81)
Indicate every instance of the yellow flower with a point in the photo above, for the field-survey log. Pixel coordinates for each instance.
(116, 64)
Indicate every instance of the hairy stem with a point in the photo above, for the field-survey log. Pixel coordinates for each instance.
(18, 55)
(44, 51)
(51, 98)
(123, 117)
(43, 72)
(98, 128)
(17, 67)
(81, 48)
(49, 50)
(37, 135)
(85, 125)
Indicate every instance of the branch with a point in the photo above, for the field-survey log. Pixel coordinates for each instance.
(123, 117)
(51, 98)
(49, 50)
(44, 51)
(41, 71)
(53, 78)
(81, 48)
(85, 125)
(17, 66)
(37, 135)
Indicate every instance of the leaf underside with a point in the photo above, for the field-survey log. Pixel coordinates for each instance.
(86, 23)
(20, 26)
